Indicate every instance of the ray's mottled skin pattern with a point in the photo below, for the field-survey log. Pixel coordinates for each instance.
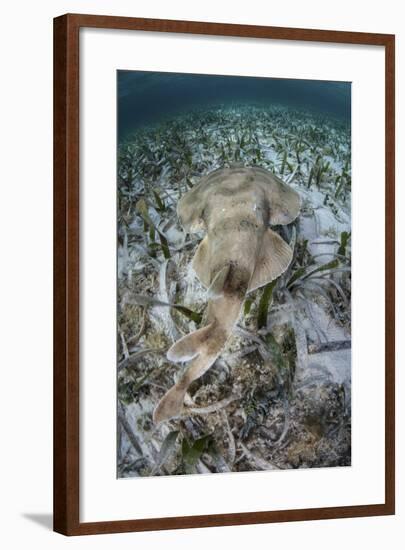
(234, 206)
(235, 218)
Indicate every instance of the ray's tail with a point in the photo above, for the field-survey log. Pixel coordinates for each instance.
(201, 347)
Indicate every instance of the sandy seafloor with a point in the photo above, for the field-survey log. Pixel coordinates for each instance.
(279, 396)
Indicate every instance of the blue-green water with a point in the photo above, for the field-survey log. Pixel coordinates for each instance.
(147, 97)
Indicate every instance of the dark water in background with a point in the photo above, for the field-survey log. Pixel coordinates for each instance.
(147, 97)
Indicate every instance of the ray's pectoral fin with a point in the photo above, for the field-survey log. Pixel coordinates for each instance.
(274, 257)
(190, 208)
(284, 201)
(201, 262)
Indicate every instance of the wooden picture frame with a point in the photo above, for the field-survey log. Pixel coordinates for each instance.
(67, 284)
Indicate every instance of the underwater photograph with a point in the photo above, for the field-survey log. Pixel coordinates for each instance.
(233, 274)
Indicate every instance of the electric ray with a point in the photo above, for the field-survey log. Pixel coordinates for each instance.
(238, 254)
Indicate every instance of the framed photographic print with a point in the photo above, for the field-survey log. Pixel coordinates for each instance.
(223, 274)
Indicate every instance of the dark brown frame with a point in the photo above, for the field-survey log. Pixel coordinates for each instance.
(66, 273)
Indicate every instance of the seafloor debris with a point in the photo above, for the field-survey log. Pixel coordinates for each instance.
(279, 395)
